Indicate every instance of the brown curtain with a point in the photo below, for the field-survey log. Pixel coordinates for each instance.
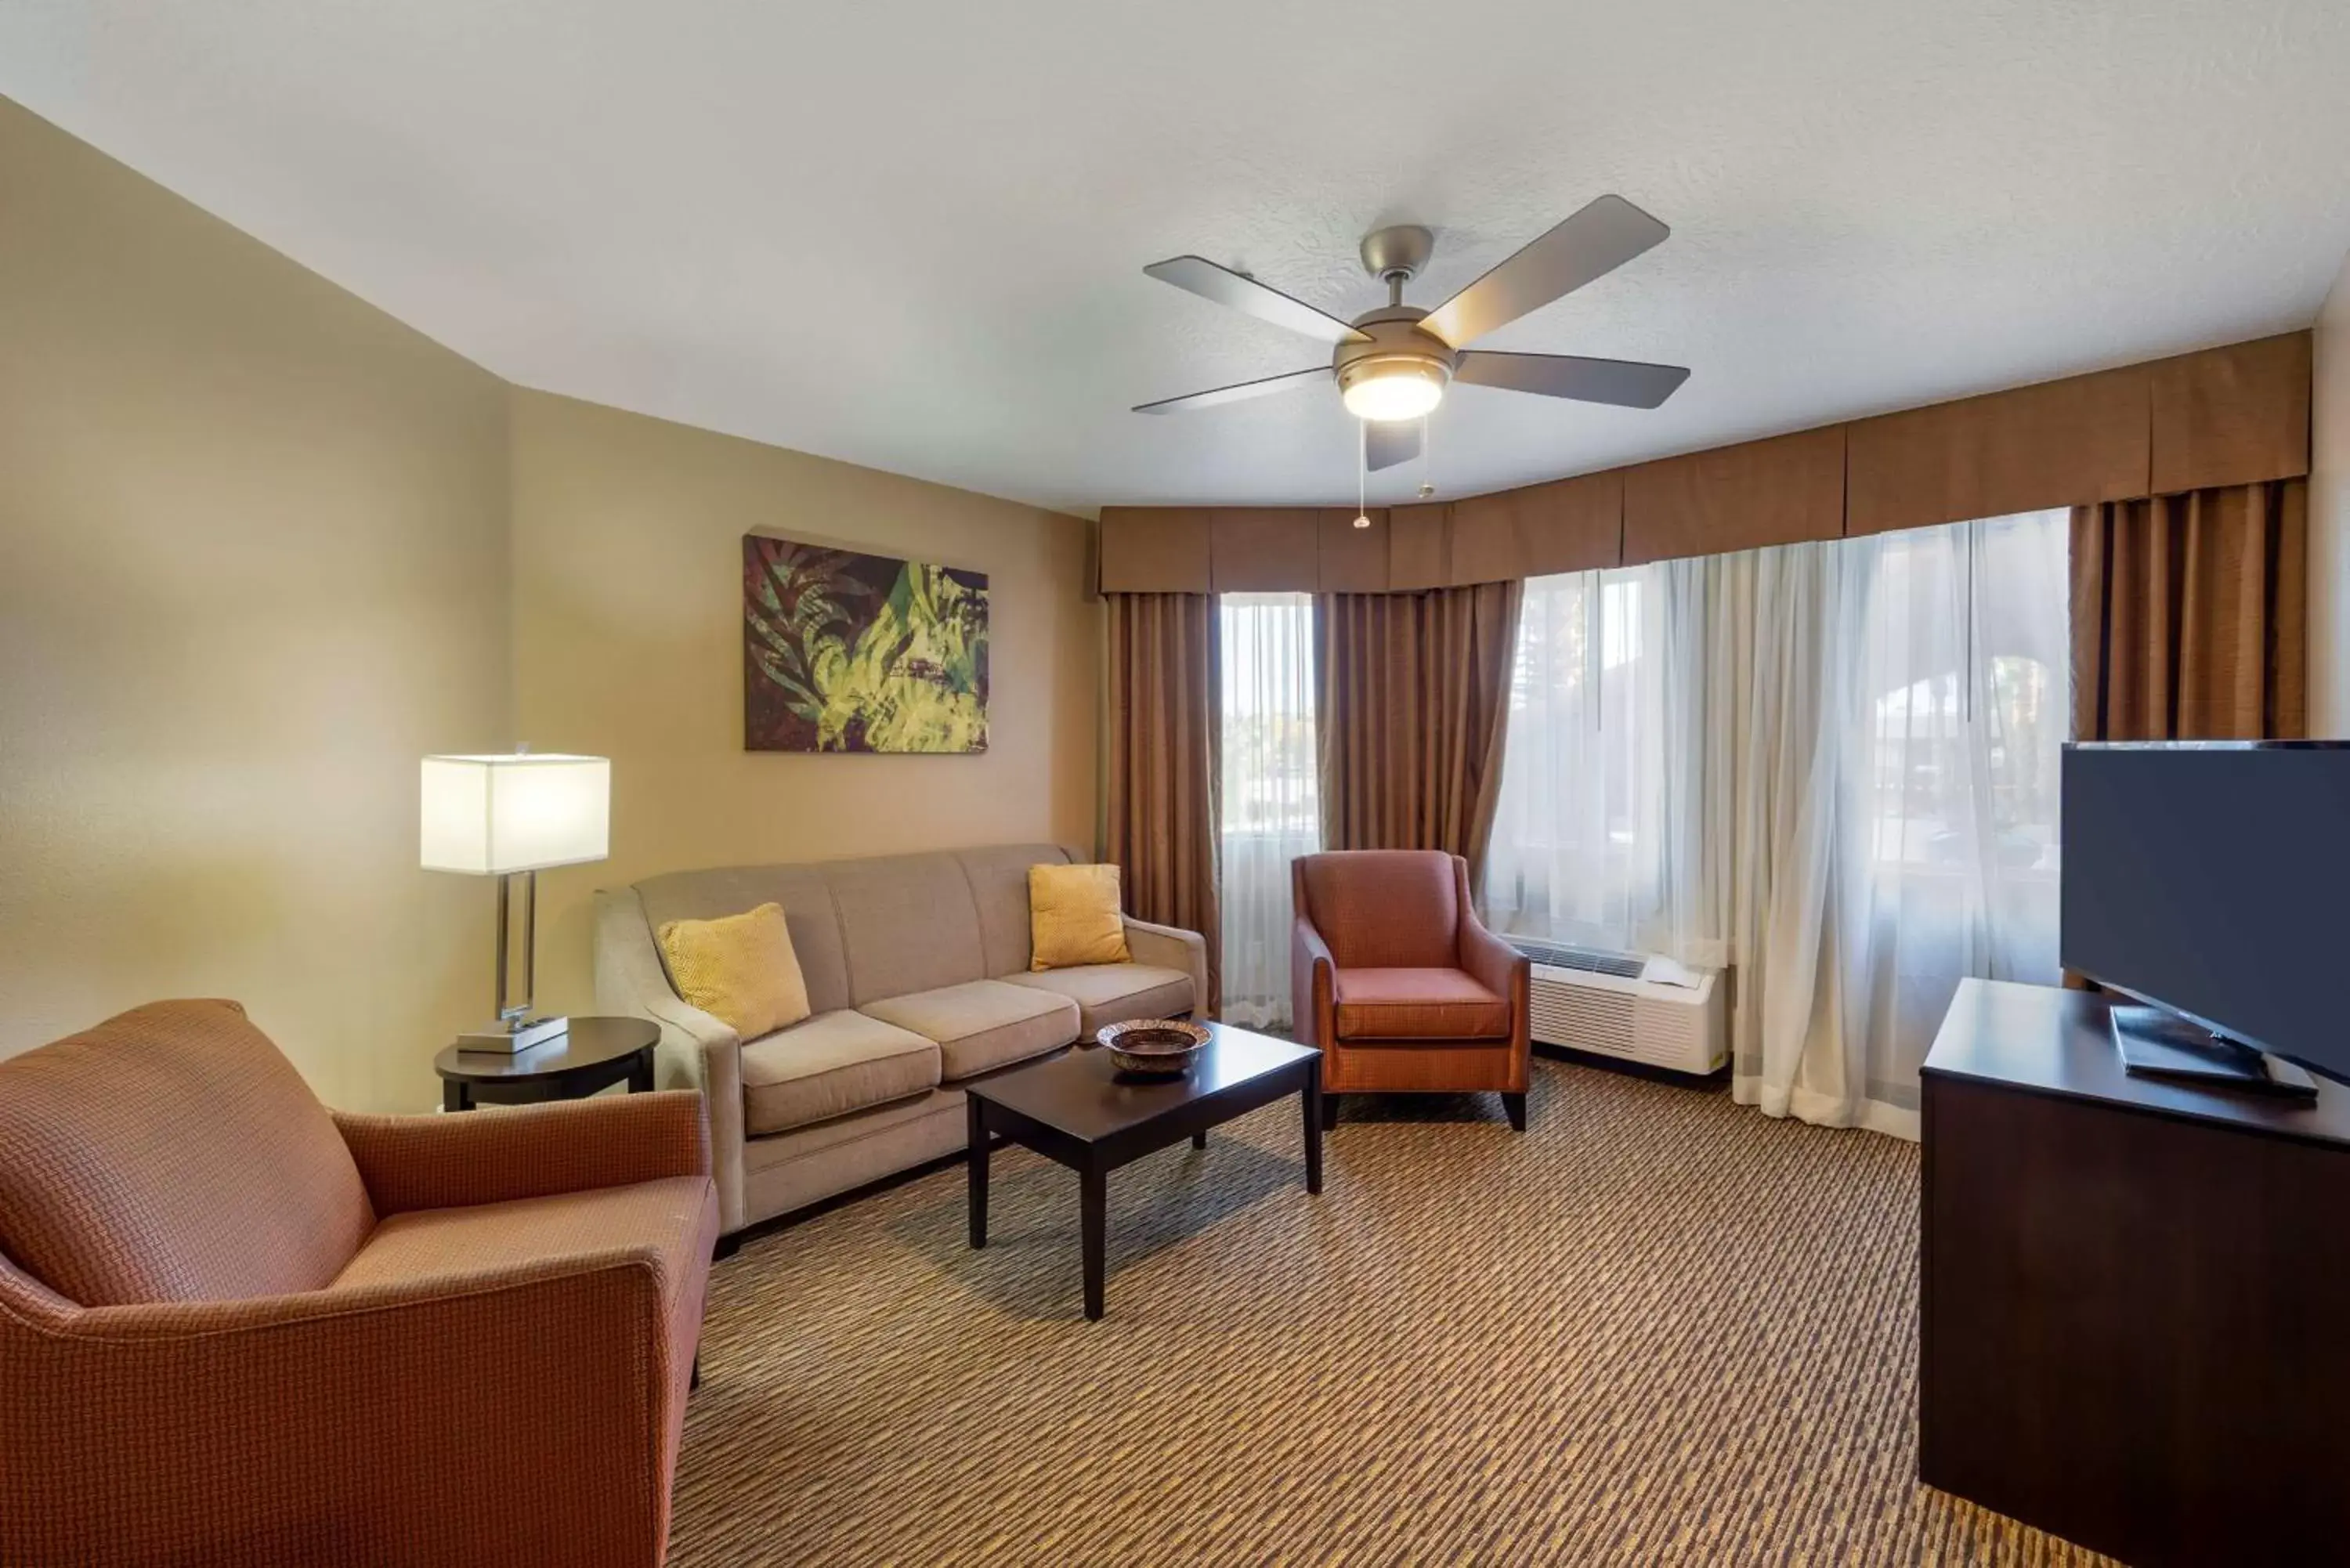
(1414, 688)
(1166, 697)
(2188, 616)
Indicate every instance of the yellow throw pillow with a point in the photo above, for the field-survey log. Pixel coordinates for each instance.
(1073, 917)
(740, 970)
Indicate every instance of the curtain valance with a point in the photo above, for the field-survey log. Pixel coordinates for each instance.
(2222, 417)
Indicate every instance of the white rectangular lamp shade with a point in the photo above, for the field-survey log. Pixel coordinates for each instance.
(490, 816)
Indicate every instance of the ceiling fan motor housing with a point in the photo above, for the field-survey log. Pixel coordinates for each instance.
(1393, 344)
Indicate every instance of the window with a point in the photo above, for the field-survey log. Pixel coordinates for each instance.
(1574, 851)
(1949, 772)
(1832, 766)
(1964, 648)
(1271, 806)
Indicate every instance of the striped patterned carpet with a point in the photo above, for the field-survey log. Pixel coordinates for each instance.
(1655, 1329)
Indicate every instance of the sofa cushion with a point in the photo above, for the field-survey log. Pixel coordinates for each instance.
(984, 1024)
(1115, 992)
(739, 968)
(170, 1154)
(807, 908)
(1074, 916)
(675, 1216)
(1417, 1004)
(834, 1064)
(907, 923)
(998, 875)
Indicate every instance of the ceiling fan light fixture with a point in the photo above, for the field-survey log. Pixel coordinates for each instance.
(1386, 390)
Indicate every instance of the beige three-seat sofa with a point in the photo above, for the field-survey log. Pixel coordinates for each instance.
(917, 966)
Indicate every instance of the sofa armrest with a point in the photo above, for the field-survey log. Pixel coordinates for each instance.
(530, 1151)
(696, 1051)
(322, 1426)
(1170, 947)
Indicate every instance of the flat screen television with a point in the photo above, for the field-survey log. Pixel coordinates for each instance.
(2213, 880)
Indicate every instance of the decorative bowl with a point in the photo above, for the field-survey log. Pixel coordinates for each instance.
(1160, 1047)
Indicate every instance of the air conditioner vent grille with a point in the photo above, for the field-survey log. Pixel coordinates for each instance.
(1591, 960)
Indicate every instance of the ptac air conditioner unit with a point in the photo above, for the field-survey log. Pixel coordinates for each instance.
(1616, 1004)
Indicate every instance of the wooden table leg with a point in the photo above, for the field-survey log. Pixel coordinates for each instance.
(1095, 1224)
(454, 1095)
(640, 1072)
(1314, 1127)
(1199, 1141)
(976, 1119)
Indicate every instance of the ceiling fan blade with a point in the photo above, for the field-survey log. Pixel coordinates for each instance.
(1204, 277)
(1594, 241)
(1627, 383)
(1233, 394)
(1388, 442)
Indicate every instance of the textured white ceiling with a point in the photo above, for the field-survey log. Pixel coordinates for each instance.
(912, 234)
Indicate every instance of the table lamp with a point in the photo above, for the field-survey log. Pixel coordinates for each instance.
(508, 816)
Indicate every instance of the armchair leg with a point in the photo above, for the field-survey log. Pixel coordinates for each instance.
(1516, 1106)
(1329, 1110)
(695, 1380)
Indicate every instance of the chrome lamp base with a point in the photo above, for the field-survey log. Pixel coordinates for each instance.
(514, 1031)
(516, 1036)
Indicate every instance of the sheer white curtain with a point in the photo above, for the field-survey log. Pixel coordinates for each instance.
(1947, 855)
(1574, 846)
(1271, 806)
(1750, 662)
(1876, 725)
(1831, 767)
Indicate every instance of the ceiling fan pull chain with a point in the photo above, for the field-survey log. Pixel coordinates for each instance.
(1362, 474)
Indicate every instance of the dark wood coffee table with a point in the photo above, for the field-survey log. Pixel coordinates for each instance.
(1081, 1111)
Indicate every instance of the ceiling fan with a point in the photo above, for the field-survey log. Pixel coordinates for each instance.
(1393, 363)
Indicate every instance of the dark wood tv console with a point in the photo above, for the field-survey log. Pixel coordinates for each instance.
(2134, 1309)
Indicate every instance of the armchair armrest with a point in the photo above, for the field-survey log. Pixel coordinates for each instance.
(1498, 967)
(1313, 983)
(1172, 947)
(323, 1427)
(530, 1151)
(1490, 962)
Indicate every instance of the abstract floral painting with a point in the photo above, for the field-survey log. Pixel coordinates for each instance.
(849, 652)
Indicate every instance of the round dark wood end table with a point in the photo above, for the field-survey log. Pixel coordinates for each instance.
(595, 1053)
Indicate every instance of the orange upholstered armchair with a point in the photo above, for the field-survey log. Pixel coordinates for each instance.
(1399, 984)
(238, 1328)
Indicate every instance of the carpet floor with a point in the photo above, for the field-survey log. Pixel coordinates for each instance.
(1657, 1328)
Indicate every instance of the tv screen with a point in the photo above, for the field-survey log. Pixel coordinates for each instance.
(2213, 878)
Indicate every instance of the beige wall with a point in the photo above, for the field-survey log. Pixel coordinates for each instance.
(262, 547)
(628, 644)
(253, 564)
(2329, 519)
